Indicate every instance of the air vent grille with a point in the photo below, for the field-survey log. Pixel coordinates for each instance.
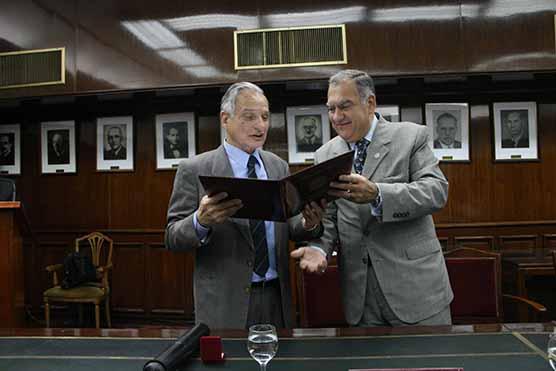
(290, 47)
(32, 68)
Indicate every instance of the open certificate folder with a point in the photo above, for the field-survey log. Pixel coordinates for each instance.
(279, 200)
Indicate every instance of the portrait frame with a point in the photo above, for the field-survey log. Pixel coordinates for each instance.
(184, 124)
(7, 166)
(296, 117)
(389, 112)
(63, 161)
(107, 159)
(502, 135)
(459, 150)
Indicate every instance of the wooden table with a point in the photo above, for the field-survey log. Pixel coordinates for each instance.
(509, 347)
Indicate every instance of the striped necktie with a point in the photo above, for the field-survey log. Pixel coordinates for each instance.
(258, 230)
(361, 155)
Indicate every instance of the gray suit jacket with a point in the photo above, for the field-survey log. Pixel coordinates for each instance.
(402, 245)
(224, 264)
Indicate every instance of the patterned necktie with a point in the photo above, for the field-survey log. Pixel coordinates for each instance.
(361, 155)
(258, 230)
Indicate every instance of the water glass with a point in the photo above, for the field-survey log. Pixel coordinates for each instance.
(552, 350)
(262, 343)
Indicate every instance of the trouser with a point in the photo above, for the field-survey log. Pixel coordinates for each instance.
(265, 304)
(377, 312)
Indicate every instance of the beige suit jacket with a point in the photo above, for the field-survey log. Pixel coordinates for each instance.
(402, 245)
(224, 264)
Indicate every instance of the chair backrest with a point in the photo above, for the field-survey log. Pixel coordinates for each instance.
(99, 245)
(7, 189)
(475, 276)
(320, 299)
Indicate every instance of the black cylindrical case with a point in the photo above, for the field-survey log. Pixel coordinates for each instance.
(181, 350)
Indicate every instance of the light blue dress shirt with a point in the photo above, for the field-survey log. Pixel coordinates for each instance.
(238, 160)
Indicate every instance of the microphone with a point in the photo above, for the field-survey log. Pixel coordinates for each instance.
(184, 347)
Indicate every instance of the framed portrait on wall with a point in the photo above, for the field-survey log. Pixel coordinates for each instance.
(448, 124)
(175, 138)
(115, 143)
(515, 131)
(308, 129)
(10, 149)
(390, 113)
(58, 147)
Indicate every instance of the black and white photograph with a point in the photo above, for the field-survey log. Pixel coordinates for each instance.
(175, 138)
(515, 131)
(390, 113)
(58, 147)
(448, 125)
(115, 143)
(308, 129)
(10, 149)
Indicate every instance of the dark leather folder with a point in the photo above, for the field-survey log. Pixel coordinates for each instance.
(278, 200)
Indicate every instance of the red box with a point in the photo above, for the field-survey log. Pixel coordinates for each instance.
(211, 349)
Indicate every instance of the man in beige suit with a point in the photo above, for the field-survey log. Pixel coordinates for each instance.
(391, 264)
(241, 274)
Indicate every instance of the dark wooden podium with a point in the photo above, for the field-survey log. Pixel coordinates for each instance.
(13, 224)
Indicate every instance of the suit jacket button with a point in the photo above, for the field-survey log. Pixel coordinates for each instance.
(249, 263)
(247, 290)
(365, 260)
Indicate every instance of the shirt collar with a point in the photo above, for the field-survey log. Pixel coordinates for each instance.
(239, 156)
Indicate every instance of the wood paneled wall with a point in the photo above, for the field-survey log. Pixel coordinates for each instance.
(133, 45)
(505, 206)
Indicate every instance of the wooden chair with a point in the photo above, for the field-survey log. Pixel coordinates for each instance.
(99, 248)
(476, 279)
(320, 299)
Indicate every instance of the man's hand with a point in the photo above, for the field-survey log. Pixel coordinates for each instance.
(312, 214)
(213, 210)
(310, 260)
(355, 188)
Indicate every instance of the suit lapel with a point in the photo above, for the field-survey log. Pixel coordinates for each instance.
(378, 148)
(376, 152)
(272, 170)
(221, 164)
(221, 167)
(340, 147)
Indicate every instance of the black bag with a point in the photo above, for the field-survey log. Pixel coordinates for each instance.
(78, 269)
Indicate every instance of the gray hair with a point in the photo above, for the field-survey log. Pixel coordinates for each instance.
(228, 103)
(363, 82)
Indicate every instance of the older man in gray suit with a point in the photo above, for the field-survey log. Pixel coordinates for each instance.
(391, 264)
(241, 274)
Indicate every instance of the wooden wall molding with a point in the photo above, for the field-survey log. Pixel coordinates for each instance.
(149, 282)
(478, 242)
(521, 41)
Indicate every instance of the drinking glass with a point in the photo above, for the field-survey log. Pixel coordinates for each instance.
(552, 350)
(262, 343)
